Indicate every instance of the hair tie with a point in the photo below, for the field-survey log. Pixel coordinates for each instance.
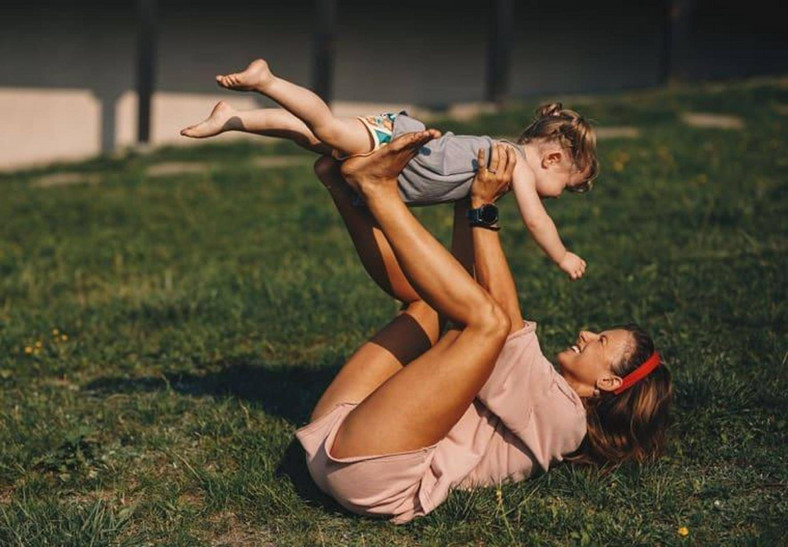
(639, 373)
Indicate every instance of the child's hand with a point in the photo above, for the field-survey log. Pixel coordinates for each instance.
(573, 265)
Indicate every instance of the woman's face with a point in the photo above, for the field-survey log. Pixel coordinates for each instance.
(588, 363)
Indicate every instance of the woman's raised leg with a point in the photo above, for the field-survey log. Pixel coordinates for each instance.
(390, 349)
(417, 406)
(407, 336)
(371, 245)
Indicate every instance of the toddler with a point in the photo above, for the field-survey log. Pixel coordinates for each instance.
(557, 150)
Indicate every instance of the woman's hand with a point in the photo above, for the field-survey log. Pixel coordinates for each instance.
(492, 182)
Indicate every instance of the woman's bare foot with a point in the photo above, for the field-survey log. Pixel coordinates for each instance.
(380, 169)
(255, 78)
(222, 119)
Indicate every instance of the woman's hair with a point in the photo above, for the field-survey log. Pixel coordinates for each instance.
(553, 123)
(632, 425)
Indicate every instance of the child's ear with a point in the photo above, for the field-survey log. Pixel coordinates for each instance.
(552, 158)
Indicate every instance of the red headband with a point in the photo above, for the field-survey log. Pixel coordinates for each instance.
(638, 374)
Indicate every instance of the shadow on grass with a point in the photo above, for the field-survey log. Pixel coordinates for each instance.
(287, 391)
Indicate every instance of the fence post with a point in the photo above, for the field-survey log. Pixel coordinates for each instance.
(323, 50)
(146, 69)
(499, 45)
(676, 40)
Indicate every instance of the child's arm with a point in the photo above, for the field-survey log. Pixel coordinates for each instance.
(541, 226)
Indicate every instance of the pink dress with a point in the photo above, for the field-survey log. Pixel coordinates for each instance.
(524, 419)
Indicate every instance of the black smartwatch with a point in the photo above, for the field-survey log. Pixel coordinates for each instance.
(485, 216)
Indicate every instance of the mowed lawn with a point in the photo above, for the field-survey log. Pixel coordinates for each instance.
(163, 335)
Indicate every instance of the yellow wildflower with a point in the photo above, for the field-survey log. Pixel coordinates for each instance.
(64, 337)
(28, 350)
(683, 531)
(38, 343)
(55, 332)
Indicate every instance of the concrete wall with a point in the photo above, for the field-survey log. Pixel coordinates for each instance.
(67, 78)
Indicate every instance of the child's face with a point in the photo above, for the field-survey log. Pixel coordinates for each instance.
(556, 172)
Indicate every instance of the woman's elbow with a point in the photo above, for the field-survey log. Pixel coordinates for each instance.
(504, 322)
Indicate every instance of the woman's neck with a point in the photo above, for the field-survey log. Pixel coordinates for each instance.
(581, 388)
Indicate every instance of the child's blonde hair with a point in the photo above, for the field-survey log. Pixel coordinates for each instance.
(571, 131)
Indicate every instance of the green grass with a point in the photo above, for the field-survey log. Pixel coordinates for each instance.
(204, 314)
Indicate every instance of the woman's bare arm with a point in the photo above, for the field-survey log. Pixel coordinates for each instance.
(492, 268)
(461, 243)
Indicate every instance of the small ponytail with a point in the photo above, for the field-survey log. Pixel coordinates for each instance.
(554, 123)
(552, 109)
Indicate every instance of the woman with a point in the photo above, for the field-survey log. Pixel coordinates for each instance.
(417, 411)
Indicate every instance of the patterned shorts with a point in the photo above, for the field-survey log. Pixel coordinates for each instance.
(379, 127)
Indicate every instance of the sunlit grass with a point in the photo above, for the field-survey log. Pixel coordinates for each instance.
(162, 338)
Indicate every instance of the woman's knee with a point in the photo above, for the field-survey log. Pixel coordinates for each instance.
(326, 169)
(492, 320)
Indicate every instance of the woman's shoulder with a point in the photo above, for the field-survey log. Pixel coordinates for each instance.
(558, 419)
(545, 381)
(528, 327)
(533, 400)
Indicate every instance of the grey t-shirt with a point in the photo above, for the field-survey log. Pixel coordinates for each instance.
(444, 168)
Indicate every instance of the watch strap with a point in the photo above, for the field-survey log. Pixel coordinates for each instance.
(493, 227)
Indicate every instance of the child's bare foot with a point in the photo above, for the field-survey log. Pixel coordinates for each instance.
(255, 78)
(222, 119)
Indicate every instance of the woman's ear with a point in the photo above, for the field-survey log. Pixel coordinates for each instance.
(608, 383)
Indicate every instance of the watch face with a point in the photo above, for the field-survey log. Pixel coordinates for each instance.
(489, 214)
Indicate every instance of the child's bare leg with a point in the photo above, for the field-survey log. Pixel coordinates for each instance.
(348, 135)
(270, 122)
